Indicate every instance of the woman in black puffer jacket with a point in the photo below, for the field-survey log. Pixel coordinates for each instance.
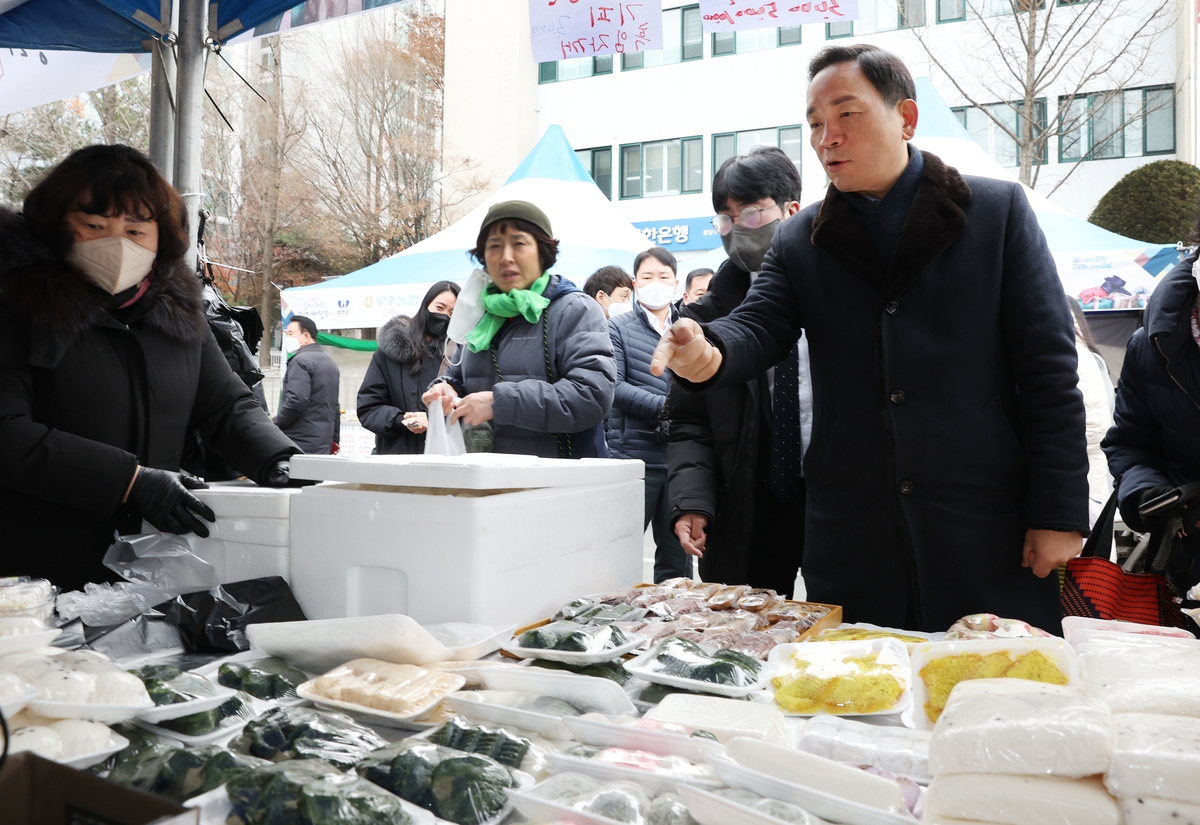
(411, 354)
(106, 362)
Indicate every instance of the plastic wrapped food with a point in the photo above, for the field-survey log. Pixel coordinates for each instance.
(12, 687)
(749, 619)
(771, 807)
(1019, 727)
(303, 733)
(758, 645)
(463, 788)
(79, 677)
(1146, 810)
(726, 598)
(168, 685)
(668, 809)
(623, 596)
(647, 596)
(496, 743)
(618, 801)
(311, 793)
(269, 679)
(724, 718)
(231, 713)
(901, 751)
(991, 626)
(853, 678)
(757, 599)
(178, 773)
(653, 693)
(609, 613)
(21, 596)
(803, 613)
(1154, 675)
(613, 671)
(1156, 756)
(80, 737)
(851, 634)
(573, 637)
(573, 608)
(668, 767)
(40, 739)
(1020, 800)
(20, 625)
(677, 607)
(400, 689)
(686, 660)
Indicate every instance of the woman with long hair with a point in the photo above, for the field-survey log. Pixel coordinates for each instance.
(412, 353)
(106, 363)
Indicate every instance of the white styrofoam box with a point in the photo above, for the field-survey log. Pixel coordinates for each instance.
(475, 471)
(489, 559)
(244, 499)
(235, 561)
(270, 531)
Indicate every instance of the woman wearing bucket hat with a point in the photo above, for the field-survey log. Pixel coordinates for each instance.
(538, 365)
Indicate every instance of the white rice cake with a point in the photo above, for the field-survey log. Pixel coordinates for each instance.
(1146, 810)
(386, 686)
(1016, 726)
(901, 751)
(1156, 756)
(1154, 675)
(1005, 799)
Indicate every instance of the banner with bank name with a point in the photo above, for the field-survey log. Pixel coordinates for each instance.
(731, 15)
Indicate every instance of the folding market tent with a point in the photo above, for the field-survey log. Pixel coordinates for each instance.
(1087, 256)
(591, 233)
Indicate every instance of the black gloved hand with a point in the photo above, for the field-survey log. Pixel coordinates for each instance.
(165, 502)
(281, 476)
(1151, 522)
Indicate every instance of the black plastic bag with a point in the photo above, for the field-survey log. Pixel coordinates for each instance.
(238, 331)
(215, 620)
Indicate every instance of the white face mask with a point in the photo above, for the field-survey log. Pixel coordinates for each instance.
(655, 295)
(113, 264)
(615, 308)
(291, 344)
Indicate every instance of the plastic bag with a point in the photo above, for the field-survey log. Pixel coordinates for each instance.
(215, 620)
(443, 438)
(1020, 800)
(311, 793)
(1016, 726)
(24, 598)
(1150, 675)
(303, 733)
(898, 750)
(468, 309)
(571, 636)
(1156, 756)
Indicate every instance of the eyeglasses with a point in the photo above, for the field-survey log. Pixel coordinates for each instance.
(751, 218)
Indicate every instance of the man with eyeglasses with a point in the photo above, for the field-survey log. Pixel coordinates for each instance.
(948, 468)
(734, 456)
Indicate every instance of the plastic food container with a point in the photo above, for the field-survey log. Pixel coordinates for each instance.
(212, 672)
(159, 713)
(436, 687)
(105, 714)
(468, 642)
(588, 694)
(643, 668)
(573, 657)
(27, 641)
(1050, 660)
(472, 705)
(1078, 629)
(857, 678)
(320, 645)
(604, 734)
(724, 718)
(116, 742)
(365, 542)
(709, 808)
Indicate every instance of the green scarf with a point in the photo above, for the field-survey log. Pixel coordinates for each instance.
(499, 306)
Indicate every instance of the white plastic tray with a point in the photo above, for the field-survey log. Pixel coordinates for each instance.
(319, 645)
(826, 806)
(376, 716)
(638, 667)
(485, 639)
(116, 742)
(587, 694)
(106, 714)
(11, 709)
(212, 670)
(708, 808)
(657, 783)
(27, 641)
(573, 657)
(1079, 629)
(536, 809)
(551, 727)
(1055, 649)
(603, 734)
(220, 736)
(824, 656)
(158, 713)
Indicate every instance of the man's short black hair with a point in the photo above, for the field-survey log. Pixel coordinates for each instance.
(693, 275)
(657, 253)
(306, 325)
(607, 279)
(887, 73)
(763, 172)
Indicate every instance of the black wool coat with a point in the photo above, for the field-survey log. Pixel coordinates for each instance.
(390, 389)
(947, 417)
(1155, 437)
(85, 398)
(310, 410)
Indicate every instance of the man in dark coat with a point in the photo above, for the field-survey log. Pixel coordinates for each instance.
(948, 443)
(310, 412)
(1154, 443)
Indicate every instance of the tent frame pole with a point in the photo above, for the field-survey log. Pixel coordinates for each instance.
(162, 94)
(193, 54)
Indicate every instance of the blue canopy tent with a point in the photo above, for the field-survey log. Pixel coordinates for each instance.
(590, 231)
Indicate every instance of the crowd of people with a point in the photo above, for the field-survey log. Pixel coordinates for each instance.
(885, 390)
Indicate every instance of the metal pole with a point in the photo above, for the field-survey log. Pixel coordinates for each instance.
(193, 30)
(162, 96)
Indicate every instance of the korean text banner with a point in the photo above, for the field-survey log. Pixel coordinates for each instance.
(730, 15)
(565, 29)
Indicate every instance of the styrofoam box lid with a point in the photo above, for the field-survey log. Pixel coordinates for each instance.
(247, 500)
(476, 471)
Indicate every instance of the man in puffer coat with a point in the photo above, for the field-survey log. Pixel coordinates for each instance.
(637, 424)
(1154, 443)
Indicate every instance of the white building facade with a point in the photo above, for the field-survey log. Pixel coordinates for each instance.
(653, 128)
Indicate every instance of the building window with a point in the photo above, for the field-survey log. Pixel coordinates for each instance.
(788, 138)
(1125, 124)
(910, 14)
(789, 35)
(1003, 149)
(664, 167)
(574, 68)
(598, 162)
(754, 40)
(951, 11)
(835, 30)
(683, 39)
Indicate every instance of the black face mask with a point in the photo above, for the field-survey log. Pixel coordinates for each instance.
(436, 324)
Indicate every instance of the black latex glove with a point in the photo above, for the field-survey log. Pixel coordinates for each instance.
(164, 501)
(281, 476)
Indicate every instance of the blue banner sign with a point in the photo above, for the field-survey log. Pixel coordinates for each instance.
(680, 233)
